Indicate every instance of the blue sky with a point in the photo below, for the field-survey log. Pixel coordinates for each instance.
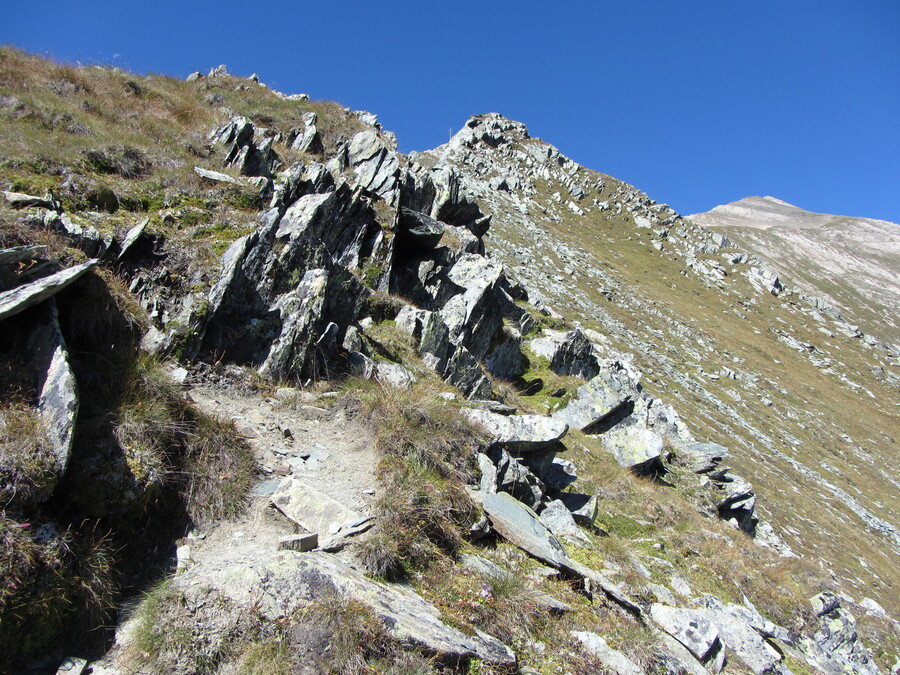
(696, 102)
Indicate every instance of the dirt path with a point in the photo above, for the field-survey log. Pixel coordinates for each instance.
(326, 443)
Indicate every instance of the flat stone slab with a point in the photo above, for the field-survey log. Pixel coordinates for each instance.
(17, 200)
(311, 509)
(58, 402)
(521, 526)
(593, 402)
(216, 176)
(22, 297)
(11, 256)
(518, 433)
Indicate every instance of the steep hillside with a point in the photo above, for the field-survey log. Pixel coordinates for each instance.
(851, 263)
(280, 399)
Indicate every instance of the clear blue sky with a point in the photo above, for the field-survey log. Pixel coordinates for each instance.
(696, 102)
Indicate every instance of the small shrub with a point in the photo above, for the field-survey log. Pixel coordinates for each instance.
(28, 467)
(123, 160)
(380, 557)
(187, 633)
(53, 588)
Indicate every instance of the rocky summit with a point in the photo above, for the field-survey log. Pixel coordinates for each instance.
(278, 398)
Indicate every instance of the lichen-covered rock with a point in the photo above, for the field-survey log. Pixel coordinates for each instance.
(634, 446)
(740, 637)
(569, 353)
(596, 400)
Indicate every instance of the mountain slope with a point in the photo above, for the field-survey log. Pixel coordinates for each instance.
(809, 411)
(574, 426)
(853, 263)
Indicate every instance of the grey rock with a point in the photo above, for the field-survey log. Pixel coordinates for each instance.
(613, 659)
(394, 374)
(18, 200)
(824, 602)
(58, 401)
(376, 166)
(515, 478)
(559, 474)
(132, 237)
(216, 176)
(22, 297)
(298, 542)
(488, 483)
(703, 457)
(72, 665)
(419, 231)
(360, 364)
(570, 353)
(740, 637)
(11, 256)
(519, 433)
(193, 77)
(560, 522)
(694, 630)
(521, 526)
(87, 238)
(464, 372)
(582, 507)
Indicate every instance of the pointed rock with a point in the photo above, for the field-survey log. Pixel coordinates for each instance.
(58, 402)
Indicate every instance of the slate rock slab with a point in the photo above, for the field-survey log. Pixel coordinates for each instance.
(633, 445)
(740, 637)
(22, 297)
(521, 526)
(293, 579)
(594, 401)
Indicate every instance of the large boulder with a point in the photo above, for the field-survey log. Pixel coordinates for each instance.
(518, 433)
(282, 582)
